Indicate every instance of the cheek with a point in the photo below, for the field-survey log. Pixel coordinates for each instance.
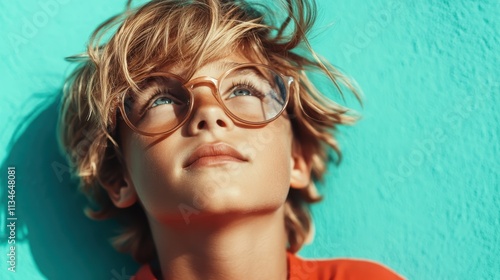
(151, 172)
(273, 146)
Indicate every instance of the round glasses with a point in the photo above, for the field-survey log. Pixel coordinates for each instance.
(252, 94)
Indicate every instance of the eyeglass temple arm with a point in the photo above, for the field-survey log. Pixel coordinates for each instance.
(289, 81)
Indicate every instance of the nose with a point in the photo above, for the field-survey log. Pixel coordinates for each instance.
(207, 115)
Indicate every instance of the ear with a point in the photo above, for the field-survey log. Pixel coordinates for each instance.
(121, 192)
(300, 168)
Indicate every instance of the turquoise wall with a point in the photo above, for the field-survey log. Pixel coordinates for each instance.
(419, 186)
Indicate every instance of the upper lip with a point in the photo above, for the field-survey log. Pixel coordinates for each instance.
(211, 150)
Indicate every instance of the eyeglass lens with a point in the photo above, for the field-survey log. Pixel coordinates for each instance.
(253, 94)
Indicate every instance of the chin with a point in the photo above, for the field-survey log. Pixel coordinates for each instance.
(232, 200)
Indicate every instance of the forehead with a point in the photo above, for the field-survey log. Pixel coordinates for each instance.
(213, 68)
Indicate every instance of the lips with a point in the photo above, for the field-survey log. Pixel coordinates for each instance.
(214, 154)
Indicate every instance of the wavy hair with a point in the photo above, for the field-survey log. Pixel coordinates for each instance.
(125, 49)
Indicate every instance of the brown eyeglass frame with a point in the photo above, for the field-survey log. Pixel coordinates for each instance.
(215, 83)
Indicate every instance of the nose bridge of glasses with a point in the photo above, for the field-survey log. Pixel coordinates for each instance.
(207, 81)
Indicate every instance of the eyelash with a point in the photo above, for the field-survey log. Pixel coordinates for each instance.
(246, 84)
(160, 91)
(157, 92)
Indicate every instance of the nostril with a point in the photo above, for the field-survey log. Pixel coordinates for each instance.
(201, 125)
(221, 123)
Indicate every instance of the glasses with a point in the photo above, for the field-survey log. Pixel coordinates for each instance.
(251, 94)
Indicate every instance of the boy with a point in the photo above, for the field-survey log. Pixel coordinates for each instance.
(208, 136)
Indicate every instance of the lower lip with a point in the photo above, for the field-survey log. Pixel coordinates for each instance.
(213, 161)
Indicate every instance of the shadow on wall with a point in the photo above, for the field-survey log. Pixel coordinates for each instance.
(65, 244)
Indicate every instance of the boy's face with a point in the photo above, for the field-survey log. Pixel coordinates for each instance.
(211, 164)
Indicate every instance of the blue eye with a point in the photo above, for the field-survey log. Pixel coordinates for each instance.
(240, 92)
(161, 101)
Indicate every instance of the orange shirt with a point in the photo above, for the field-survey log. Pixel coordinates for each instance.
(338, 269)
(330, 269)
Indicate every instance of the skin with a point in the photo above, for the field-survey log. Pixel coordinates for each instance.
(221, 218)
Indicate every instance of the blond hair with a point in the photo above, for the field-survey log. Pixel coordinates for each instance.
(173, 32)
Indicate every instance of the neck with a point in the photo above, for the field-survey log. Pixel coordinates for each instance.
(243, 246)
